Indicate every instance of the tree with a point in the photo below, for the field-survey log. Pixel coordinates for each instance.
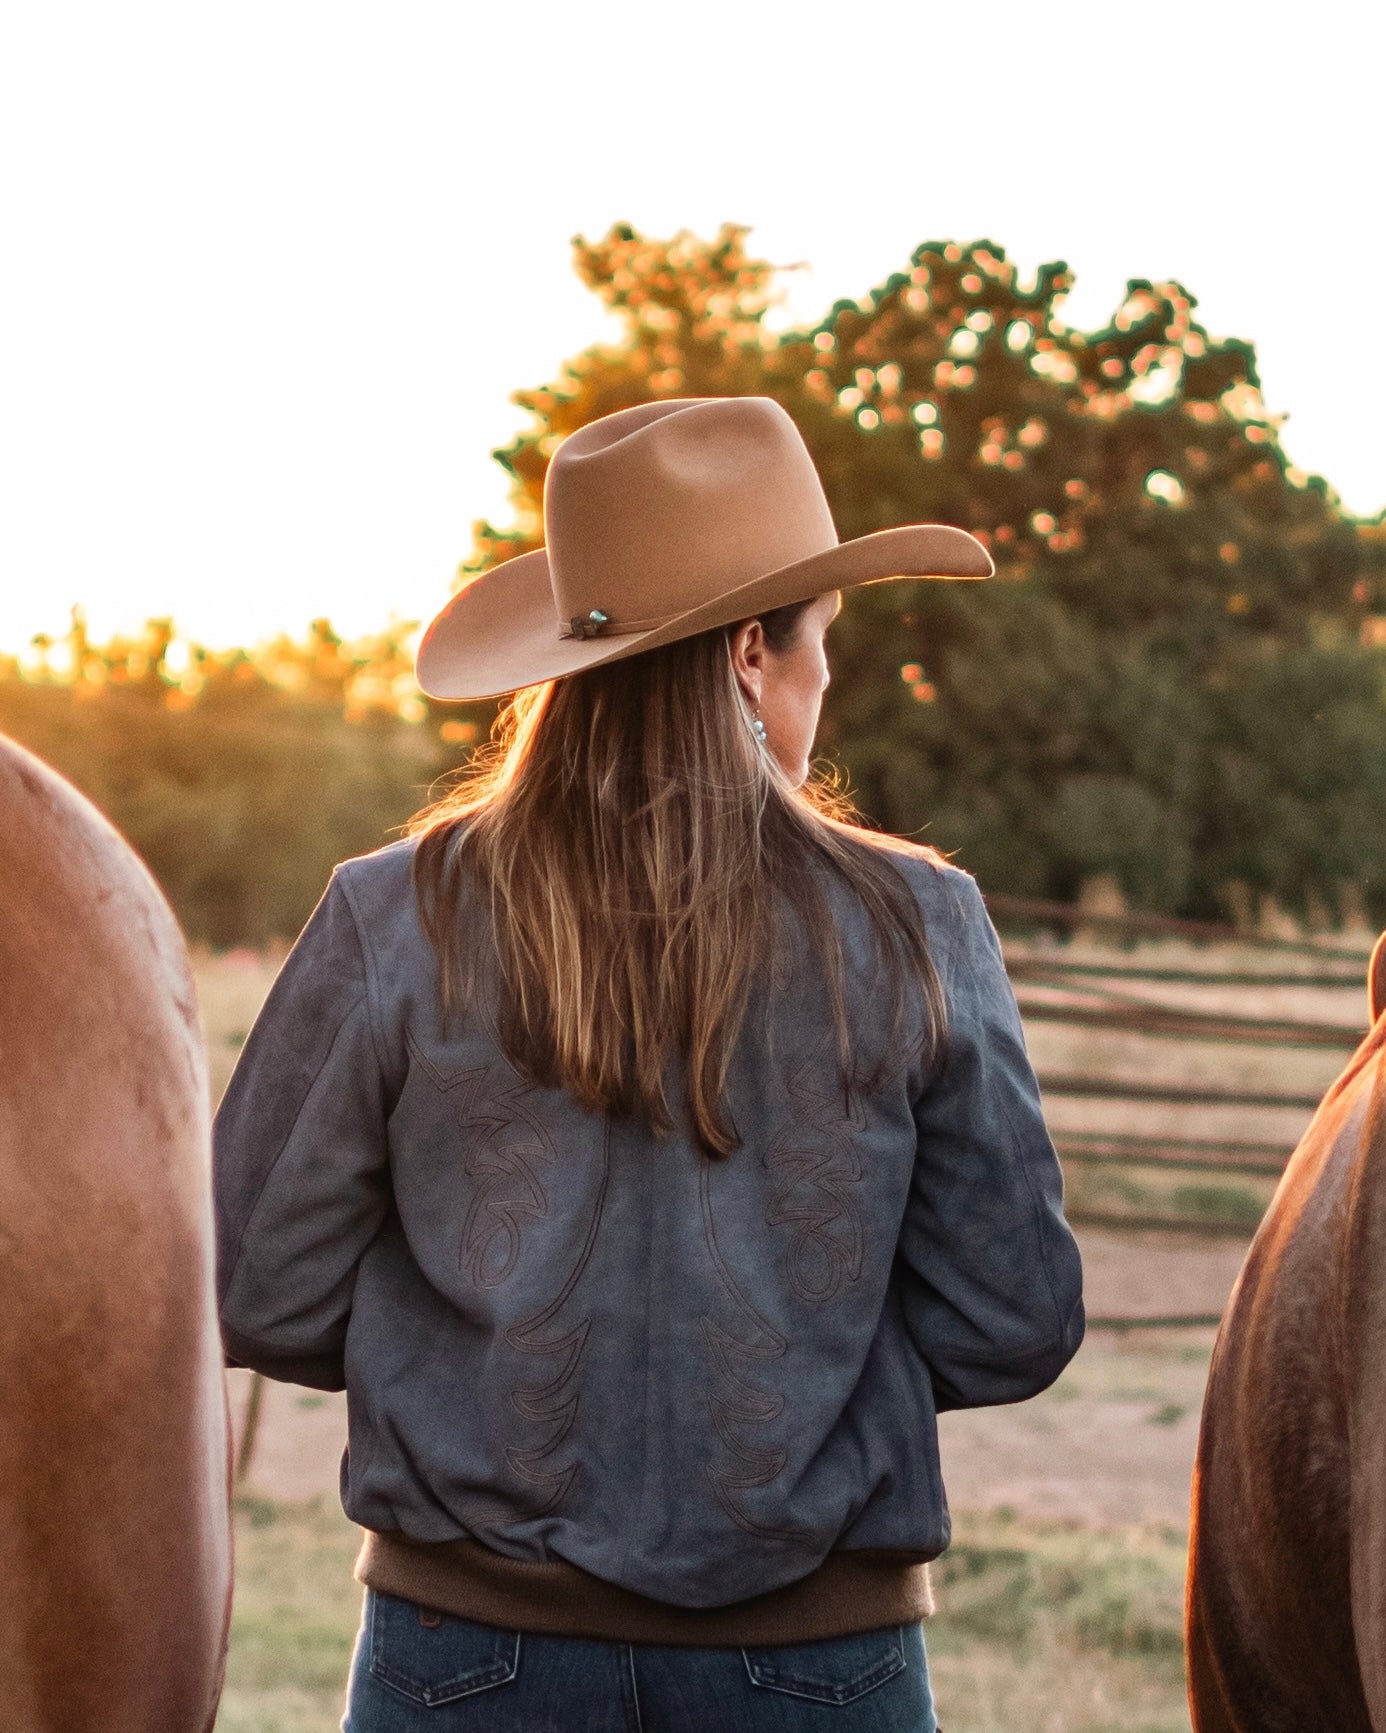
(1155, 553)
(691, 312)
(241, 778)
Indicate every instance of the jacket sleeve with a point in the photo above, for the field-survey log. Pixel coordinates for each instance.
(300, 1172)
(992, 1283)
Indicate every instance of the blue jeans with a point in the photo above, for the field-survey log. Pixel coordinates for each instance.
(418, 1671)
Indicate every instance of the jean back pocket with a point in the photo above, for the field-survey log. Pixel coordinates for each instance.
(837, 1670)
(434, 1658)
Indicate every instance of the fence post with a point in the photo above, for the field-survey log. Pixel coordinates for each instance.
(251, 1427)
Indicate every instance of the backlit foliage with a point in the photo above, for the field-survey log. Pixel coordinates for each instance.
(240, 776)
(1171, 591)
(1176, 677)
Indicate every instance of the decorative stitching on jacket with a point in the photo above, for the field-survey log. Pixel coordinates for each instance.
(742, 1403)
(504, 1142)
(553, 1403)
(493, 1163)
(815, 1185)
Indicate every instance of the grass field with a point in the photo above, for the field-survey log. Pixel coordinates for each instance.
(293, 1620)
(1043, 1626)
(1056, 1628)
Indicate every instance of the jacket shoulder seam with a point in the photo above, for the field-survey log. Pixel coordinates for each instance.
(372, 990)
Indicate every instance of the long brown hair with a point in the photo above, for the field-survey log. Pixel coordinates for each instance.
(634, 841)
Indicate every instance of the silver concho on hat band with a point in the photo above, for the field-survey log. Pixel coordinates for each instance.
(587, 625)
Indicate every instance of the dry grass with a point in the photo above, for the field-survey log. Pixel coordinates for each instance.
(294, 1618)
(1058, 1628)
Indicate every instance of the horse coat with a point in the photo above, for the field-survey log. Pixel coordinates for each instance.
(115, 1541)
(1286, 1605)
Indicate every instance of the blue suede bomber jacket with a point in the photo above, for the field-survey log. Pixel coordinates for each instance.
(567, 1339)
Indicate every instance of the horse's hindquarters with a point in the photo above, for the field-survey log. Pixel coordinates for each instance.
(118, 1533)
(114, 1511)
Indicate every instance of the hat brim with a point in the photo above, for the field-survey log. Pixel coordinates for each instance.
(499, 632)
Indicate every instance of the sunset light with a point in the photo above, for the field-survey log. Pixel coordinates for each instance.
(620, 1103)
(254, 371)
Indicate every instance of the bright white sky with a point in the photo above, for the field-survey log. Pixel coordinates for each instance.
(272, 269)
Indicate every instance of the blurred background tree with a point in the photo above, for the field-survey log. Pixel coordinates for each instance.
(240, 777)
(1177, 677)
(1124, 696)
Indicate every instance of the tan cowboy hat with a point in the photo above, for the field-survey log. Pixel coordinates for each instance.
(662, 521)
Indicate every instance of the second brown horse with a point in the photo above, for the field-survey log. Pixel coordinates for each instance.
(1286, 1608)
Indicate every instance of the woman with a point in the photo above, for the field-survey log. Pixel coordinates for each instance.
(647, 1149)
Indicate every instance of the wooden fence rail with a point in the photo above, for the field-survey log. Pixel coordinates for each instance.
(1129, 996)
(1175, 1094)
(1171, 1321)
(1071, 915)
(1059, 969)
(1262, 1160)
(1197, 1026)
(1125, 1222)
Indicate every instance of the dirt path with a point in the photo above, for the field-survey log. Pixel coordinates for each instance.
(1112, 1441)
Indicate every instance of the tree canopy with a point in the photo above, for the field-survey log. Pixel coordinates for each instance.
(1177, 674)
(240, 777)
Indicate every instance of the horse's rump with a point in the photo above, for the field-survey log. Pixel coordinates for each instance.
(114, 1520)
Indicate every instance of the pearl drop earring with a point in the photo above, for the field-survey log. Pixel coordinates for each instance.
(758, 727)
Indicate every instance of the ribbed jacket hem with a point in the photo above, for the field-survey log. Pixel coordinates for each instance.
(850, 1591)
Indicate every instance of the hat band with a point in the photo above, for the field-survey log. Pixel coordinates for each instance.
(596, 623)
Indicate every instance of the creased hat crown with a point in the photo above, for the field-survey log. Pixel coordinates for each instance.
(652, 510)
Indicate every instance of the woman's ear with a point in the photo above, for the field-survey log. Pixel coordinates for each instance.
(746, 646)
(1376, 979)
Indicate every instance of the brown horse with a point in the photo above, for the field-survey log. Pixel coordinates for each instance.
(115, 1541)
(1286, 1608)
